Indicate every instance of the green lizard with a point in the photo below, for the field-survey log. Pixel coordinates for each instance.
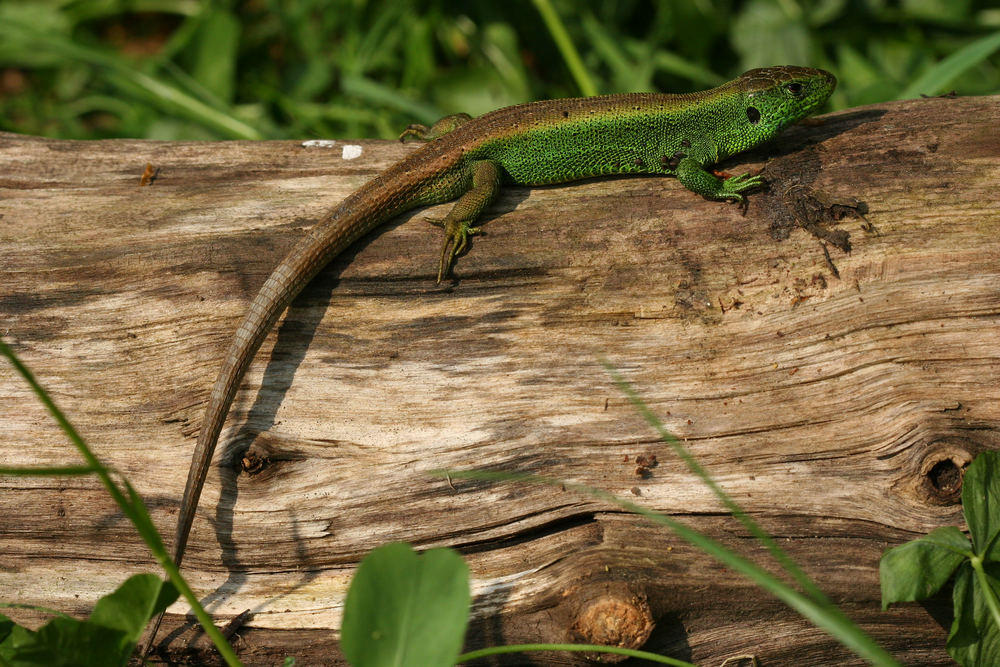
(528, 144)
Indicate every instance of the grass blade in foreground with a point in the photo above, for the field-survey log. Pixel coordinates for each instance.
(813, 605)
(823, 615)
(666, 436)
(132, 506)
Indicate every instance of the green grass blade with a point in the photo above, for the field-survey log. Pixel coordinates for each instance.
(132, 506)
(167, 97)
(936, 80)
(825, 616)
(380, 95)
(776, 551)
(673, 63)
(565, 45)
(46, 471)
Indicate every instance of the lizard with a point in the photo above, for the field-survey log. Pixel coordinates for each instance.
(536, 143)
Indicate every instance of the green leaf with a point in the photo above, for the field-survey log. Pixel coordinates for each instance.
(404, 608)
(108, 637)
(974, 640)
(129, 608)
(12, 637)
(6, 627)
(917, 569)
(67, 642)
(981, 503)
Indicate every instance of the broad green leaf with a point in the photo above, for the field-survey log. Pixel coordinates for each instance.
(108, 637)
(6, 626)
(131, 606)
(67, 642)
(405, 608)
(981, 503)
(974, 640)
(16, 636)
(917, 569)
(12, 636)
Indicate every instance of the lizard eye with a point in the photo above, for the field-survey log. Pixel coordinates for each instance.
(753, 115)
(795, 88)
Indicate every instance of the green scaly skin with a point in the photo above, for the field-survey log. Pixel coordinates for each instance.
(530, 144)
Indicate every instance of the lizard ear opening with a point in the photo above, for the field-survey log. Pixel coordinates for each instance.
(753, 115)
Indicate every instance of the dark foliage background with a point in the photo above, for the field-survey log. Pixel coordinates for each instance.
(188, 69)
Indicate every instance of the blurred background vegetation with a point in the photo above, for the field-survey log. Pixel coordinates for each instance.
(252, 69)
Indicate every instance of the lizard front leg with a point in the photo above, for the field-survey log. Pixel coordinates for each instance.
(457, 224)
(695, 178)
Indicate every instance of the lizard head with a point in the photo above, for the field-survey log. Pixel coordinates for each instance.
(771, 99)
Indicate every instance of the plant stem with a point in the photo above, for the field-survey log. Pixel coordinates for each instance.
(590, 648)
(987, 589)
(132, 506)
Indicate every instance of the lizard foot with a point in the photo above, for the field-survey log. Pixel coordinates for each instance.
(734, 186)
(456, 240)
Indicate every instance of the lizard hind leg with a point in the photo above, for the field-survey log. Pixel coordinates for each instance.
(457, 224)
(438, 129)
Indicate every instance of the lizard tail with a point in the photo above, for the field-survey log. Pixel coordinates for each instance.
(289, 278)
(357, 215)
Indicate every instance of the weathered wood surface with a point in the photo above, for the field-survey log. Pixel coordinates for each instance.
(838, 411)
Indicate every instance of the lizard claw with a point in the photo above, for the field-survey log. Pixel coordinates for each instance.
(734, 186)
(456, 240)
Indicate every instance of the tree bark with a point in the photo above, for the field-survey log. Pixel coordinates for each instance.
(837, 396)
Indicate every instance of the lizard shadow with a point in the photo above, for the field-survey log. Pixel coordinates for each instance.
(802, 135)
(295, 334)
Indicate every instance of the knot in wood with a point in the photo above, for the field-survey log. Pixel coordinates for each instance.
(613, 616)
(942, 472)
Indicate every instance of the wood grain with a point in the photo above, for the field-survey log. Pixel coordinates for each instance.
(839, 411)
